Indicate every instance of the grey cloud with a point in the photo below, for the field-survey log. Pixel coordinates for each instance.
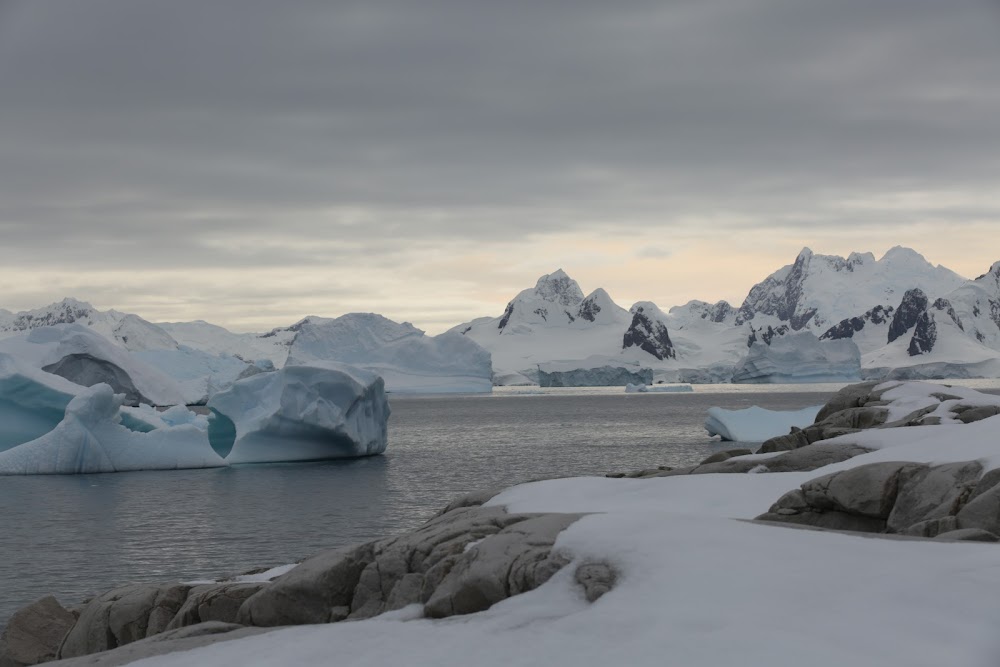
(158, 127)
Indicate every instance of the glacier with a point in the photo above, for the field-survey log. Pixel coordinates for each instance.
(91, 439)
(800, 358)
(321, 411)
(756, 424)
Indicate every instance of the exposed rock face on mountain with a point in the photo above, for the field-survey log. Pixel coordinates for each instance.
(649, 333)
(766, 335)
(924, 335)
(913, 305)
(781, 294)
(846, 328)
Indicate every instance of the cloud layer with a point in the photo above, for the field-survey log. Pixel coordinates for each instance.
(251, 162)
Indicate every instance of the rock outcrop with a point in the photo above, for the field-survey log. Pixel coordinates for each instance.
(462, 561)
(34, 633)
(895, 497)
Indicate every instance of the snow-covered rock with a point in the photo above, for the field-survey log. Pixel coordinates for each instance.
(91, 439)
(406, 359)
(301, 413)
(86, 358)
(800, 357)
(756, 424)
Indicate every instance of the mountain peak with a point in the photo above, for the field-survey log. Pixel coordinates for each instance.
(804, 254)
(902, 253)
(560, 288)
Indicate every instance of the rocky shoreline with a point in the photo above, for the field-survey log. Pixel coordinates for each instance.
(471, 555)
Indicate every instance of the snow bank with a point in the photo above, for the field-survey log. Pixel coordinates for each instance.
(755, 424)
(86, 358)
(841, 599)
(301, 413)
(90, 439)
(797, 358)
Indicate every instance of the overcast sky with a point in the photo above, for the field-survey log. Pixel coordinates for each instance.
(250, 162)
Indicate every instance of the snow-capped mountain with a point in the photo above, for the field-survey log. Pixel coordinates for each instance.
(551, 322)
(818, 291)
(129, 331)
(906, 317)
(874, 303)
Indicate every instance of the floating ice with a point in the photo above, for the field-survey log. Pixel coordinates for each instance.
(90, 439)
(301, 413)
(657, 388)
(87, 358)
(756, 424)
(800, 357)
(407, 360)
(32, 402)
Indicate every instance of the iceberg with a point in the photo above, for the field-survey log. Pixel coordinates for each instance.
(658, 388)
(595, 372)
(321, 411)
(32, 402)
(91, 439)
(87, 358)
(407, 360)
(755, 424)
(799, 358)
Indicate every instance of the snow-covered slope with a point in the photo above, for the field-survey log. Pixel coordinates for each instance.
(129, 331)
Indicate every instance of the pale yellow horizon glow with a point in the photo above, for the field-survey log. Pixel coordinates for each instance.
(462, 280)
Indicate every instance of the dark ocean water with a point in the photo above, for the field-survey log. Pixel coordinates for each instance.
(74, 536)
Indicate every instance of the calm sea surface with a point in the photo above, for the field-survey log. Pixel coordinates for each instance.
(74, 536)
